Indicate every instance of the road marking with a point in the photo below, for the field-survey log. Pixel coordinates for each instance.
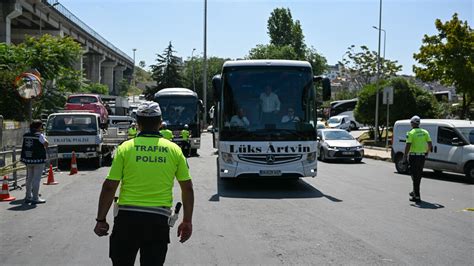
(469, 210)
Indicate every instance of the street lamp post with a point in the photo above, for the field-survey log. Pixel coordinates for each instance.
(192, 62)
(376, 129)
(204, 66)
(133, 73)
(384, 39)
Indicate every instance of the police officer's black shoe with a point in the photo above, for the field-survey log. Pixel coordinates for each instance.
(415, 199)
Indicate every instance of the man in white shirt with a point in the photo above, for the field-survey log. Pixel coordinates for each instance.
(270, 105)
(239, 120)
(290, 117)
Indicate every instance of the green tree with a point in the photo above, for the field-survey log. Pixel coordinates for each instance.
(287, 42)
(360, 68)
(284, 31)
(449, 58)
(166, 73)
(214, 66)
(408, 100)
(53, 57)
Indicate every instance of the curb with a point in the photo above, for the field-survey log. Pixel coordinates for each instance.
(375, 157)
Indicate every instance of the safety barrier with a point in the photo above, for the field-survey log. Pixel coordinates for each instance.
(10, 164)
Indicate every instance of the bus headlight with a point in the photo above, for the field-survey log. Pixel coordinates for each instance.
(311, 157)
(227, 157)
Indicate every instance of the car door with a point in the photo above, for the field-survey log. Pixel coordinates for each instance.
(445, 155)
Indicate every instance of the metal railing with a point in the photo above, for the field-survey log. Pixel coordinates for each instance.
(10, 163)
(69, 15)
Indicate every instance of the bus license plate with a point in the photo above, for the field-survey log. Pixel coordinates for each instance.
(348, 153)
(270, 172)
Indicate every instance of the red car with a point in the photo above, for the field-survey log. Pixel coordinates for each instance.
(90, 102)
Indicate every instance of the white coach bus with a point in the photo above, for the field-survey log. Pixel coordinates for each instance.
(265, 120)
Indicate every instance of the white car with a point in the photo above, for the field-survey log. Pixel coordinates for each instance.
(338, 144)
(340, 121)
(453, 145)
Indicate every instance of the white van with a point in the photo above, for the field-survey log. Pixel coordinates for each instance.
(340, 121)
(453, 145)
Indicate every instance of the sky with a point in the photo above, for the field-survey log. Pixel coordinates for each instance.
(234, 27)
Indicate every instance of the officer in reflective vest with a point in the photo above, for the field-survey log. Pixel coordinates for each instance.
(185, 134)
(132, 131)
(165, 132)
(418, 145)
(33, 154)
(145, 168)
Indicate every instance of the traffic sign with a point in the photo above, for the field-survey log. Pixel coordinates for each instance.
(388, 95)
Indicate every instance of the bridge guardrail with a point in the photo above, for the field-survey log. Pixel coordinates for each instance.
(10, 163)
(68, 14)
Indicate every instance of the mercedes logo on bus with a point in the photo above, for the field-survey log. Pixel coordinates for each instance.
(270, 159)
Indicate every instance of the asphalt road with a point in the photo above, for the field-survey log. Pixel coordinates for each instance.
(356, 214)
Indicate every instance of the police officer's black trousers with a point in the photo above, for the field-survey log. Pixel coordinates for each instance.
(142, 231)
(417, 162)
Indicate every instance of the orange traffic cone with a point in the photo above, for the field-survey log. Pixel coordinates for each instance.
(5, 192)
(73, 164)
(50, 177)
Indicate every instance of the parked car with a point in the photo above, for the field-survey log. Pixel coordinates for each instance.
(339, 121)
(91, 102)
(453, 145)
(338, 144)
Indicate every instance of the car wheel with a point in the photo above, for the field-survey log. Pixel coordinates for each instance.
(322, 155)
(400, 164)
(357, 160)
(469, 170)
(353, 125)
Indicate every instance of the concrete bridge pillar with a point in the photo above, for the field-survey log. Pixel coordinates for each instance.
(92, 65)
(118, 77)
(108, 74)
(9, 9)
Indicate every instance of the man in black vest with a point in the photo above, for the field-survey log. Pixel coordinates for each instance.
(33, 154)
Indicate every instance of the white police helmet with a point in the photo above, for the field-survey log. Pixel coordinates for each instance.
(415, 120)
(149, 109)
(186, 126)
(164, 124)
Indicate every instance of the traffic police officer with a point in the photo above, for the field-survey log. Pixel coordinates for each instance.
(145, 167)
(33, 155)
(418, 145)
(185, 136)
(165, 132)
(132, 131)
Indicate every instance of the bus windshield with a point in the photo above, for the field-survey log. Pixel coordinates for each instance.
(268, 103)
(178, 110)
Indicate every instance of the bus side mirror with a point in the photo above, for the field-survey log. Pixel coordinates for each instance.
(326, 89)
(326, 84)
(217, 86)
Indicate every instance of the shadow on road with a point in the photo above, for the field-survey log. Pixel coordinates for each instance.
(21, 205)
(267, 189)
(427, 205)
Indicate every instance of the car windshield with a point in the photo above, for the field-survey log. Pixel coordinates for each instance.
(82, 99)
(337, 135)
(468, 132)
(334, 120)
(72, 124)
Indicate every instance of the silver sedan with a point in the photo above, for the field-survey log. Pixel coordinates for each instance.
(338, 144)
